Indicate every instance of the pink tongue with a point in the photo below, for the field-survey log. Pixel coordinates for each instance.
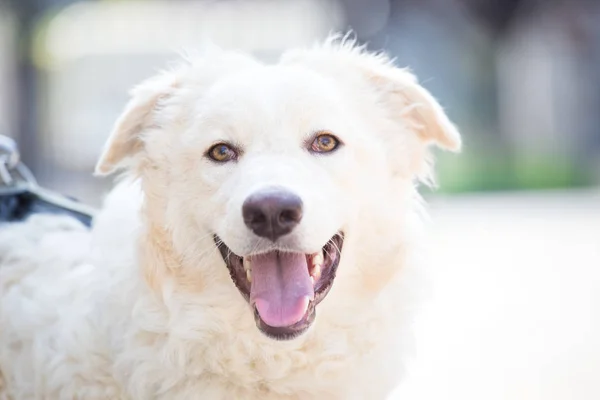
(281, 287)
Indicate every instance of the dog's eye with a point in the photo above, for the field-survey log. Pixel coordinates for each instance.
(222, 152)
(324, 143)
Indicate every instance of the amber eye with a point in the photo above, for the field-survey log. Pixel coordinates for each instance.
(324, 143)
(222, 152)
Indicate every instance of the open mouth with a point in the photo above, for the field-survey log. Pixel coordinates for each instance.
(284, 288)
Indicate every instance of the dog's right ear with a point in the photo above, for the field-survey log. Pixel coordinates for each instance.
(126, 140)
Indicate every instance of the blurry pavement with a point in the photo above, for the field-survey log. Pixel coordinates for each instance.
(515, 308)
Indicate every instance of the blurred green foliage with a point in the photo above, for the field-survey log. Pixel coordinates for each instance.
(498, 169)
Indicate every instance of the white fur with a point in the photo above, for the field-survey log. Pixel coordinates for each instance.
(142, 307)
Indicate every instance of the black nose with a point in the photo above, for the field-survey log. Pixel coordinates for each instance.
(272, 213)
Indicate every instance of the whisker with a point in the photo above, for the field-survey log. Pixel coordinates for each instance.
(334, 245)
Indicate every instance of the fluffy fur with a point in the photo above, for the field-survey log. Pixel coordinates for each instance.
(142, 306)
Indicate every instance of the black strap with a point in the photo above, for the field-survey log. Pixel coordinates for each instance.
(17, 205)
(20, 195)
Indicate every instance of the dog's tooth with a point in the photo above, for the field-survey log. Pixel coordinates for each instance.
(318, 258)
(249, 275)
(247, 264)
(316, 272)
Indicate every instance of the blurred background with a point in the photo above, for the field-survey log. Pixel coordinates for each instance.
(515, 312)
(521, 78)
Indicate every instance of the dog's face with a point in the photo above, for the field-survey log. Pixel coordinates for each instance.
(284, 169)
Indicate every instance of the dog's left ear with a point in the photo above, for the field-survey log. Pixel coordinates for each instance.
(416, 105)
(125, 140)
(396, 88)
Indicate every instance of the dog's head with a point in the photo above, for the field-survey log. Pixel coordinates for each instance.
(296, 173)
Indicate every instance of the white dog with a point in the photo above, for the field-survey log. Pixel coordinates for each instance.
(258, 248)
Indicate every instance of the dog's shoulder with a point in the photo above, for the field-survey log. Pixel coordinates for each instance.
(39, 238)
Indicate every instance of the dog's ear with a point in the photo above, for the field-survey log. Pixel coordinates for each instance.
(396, 88)
(125, 141)
(414, 103)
